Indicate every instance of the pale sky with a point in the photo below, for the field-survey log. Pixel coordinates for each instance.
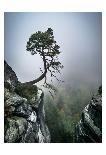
(78, 34)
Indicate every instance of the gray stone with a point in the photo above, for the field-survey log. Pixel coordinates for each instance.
(24, 117)
(89, 129)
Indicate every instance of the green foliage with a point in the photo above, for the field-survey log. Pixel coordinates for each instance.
(63, 113)
(44, 40)
(60, 125)
(43, 43)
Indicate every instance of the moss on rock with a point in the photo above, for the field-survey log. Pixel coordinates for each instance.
(26, 91)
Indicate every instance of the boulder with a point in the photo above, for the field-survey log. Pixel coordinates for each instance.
(23, 111)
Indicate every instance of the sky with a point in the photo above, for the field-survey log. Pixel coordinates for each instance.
(79, 36)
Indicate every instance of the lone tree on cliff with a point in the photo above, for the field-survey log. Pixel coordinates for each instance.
(43, 43)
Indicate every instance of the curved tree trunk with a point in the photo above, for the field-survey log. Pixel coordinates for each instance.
(40, 77)
(36, 80)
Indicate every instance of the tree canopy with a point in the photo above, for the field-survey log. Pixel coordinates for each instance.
(44, 44)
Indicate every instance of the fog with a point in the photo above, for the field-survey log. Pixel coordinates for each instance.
(79, 36)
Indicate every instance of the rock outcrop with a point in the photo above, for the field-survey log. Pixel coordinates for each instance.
(89, 129)
(23, 111)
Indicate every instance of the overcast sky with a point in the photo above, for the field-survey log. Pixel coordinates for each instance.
(78, 34)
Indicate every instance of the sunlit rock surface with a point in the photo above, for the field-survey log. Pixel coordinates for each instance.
(89, 129)
(24, 112)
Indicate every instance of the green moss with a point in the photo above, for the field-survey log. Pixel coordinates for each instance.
(26, 91)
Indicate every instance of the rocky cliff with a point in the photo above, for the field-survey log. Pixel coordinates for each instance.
(23, 111)
(89, 129)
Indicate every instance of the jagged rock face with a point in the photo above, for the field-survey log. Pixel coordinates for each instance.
(24, 116)
(89, 129)
(10, 78)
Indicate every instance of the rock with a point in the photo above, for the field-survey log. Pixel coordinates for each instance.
(89, 129)
(15, 130)
(10, 78)
(23, 111)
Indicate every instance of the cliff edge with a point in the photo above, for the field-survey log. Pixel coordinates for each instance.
(24, 113)
(89, 129)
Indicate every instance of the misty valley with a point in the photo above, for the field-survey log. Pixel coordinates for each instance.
(64, 112)
(74, 115)
(53, 77)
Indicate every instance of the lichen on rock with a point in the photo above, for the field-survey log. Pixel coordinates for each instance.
(24, 113)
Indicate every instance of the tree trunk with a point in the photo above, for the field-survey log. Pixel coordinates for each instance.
(40, 77)
(36, 80)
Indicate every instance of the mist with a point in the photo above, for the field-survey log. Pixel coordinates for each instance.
(79, 36)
